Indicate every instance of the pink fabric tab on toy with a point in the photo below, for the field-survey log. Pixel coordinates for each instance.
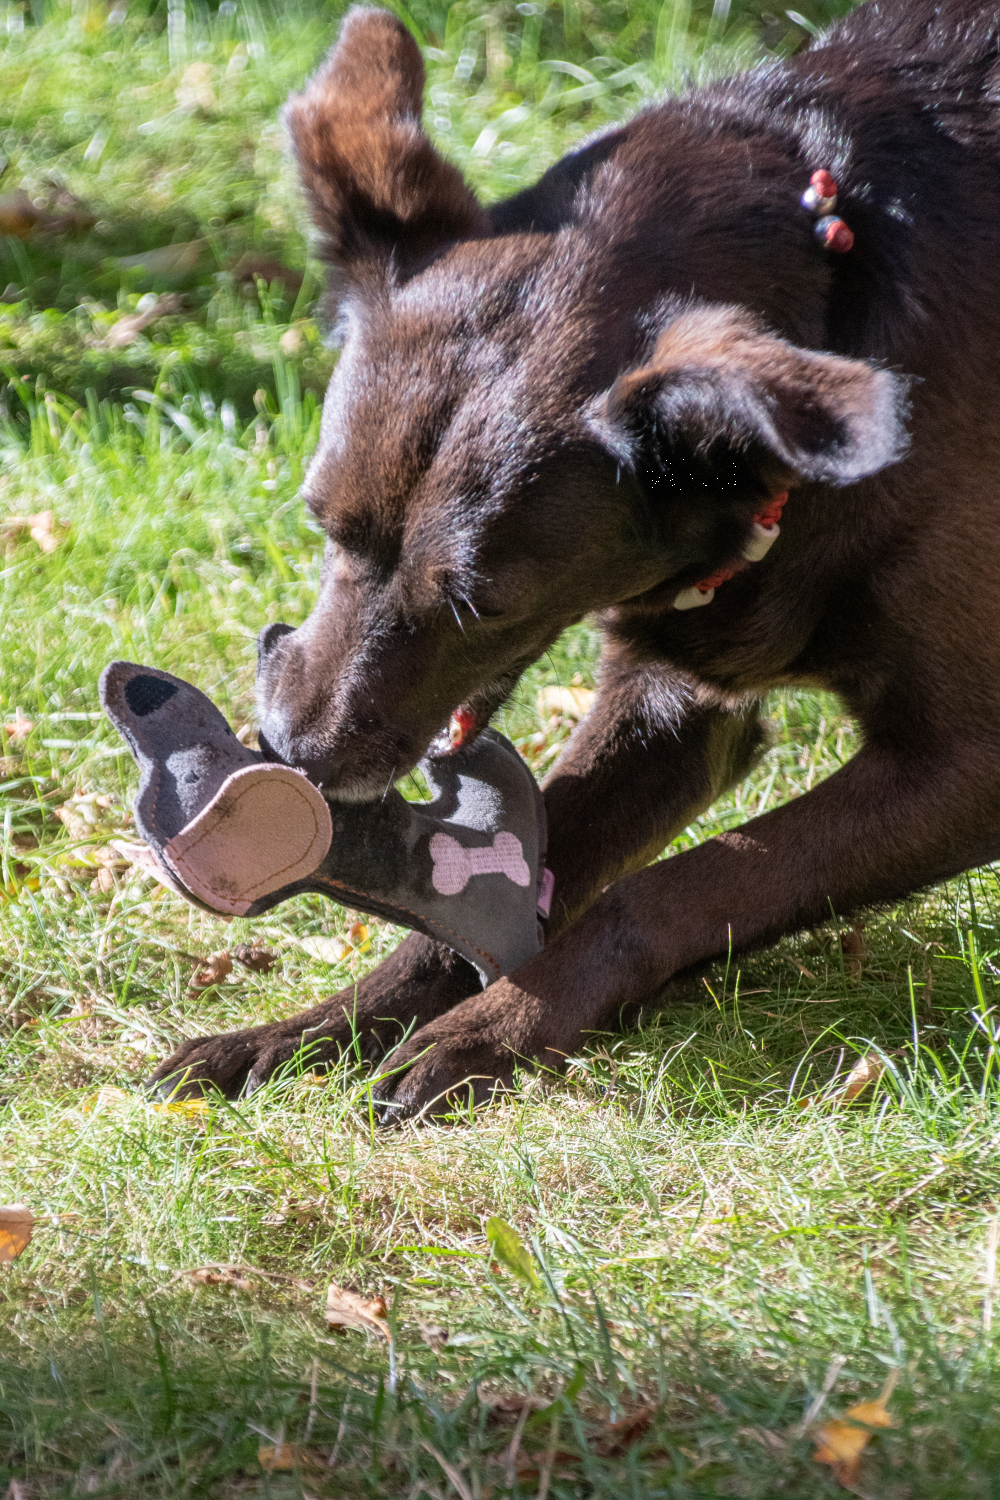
(266, 827)
(454, 866)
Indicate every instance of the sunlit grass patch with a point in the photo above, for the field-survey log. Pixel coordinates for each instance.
(707, 1213)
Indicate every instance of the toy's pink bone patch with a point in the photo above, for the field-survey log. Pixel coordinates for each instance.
(454, 866)
(266, 827)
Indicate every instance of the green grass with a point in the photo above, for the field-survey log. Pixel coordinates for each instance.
(707, 1224)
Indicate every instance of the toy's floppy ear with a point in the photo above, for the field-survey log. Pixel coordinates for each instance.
(376, 185)
(719, 385)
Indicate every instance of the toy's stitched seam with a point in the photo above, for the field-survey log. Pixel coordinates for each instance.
(407, 911)
(247, 892)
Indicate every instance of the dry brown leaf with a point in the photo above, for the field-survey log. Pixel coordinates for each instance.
(565, 703)
(855, 951)
(18, 215)
(327, 950)
(195, 90)
(251, 266)
(128, 328)
(334, 950)
(285, 1456)
(866, 1070)
(257, 960)
(16, 1223)
(345, 1309)
(216, 968)
(219, 1276)
(169, 261)
(19, 727)
(617, 1437)
(359, 936)
(841, 1441)
(190, 1109)
(40, 527)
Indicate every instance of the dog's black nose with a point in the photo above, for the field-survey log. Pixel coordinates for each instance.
(269, 638)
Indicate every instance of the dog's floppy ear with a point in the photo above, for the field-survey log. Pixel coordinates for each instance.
(719, 384)
(376, 185)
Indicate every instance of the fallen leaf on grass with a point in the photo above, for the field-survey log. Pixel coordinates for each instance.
(195, 90)
(841, 1441)
(866, 1070)
(509, 1250)
(855, 951)
(216, 968)
(257, 960)
(19, 727)
(16, 1223)
(170, 261)
(250, 266)
(128, 328)
(619, 1436)
(40, 527)
(285, 1456)
(565, 702)
(221, 1276)
(18, 215)
(346, 1309)
(329, 950)
(190, 1109)
(359, 936)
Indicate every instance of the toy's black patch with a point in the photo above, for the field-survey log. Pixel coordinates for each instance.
(144, 695)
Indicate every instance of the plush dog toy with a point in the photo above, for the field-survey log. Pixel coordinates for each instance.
(236, 834)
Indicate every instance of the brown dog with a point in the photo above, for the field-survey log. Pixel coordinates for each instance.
(579, 401)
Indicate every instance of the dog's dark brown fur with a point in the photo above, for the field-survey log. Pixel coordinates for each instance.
(575, 402)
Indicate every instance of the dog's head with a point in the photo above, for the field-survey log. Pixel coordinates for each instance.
(508, 442)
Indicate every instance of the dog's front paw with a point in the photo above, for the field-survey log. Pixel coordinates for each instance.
(210, 1062)
(464, 1057)
(243, 1060)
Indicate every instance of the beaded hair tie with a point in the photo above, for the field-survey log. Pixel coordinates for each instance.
(820, 198)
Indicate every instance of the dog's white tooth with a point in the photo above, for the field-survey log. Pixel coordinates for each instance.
(762, 539)
(693, 598)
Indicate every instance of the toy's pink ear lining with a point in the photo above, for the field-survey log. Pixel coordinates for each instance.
(266, 827)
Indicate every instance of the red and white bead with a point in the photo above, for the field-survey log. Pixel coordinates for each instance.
(820, 197)
(764, 532)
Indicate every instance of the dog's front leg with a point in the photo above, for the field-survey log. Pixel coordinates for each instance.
(652, 754)
(648, 758)
(880, 828)
(418, 981)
